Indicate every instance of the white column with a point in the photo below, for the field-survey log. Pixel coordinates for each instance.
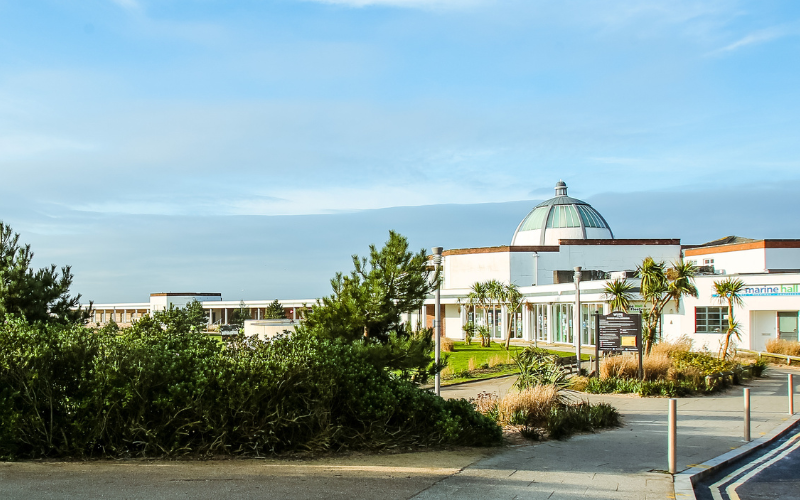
(463, 316)
(226, 315)
(550, 320)
(526, 322)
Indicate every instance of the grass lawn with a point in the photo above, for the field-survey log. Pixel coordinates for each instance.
(500, 362)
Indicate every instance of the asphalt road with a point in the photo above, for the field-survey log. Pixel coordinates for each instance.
(772, 473)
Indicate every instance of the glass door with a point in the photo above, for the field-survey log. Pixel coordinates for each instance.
(787, 325)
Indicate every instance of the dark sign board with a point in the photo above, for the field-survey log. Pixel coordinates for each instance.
(619, 331)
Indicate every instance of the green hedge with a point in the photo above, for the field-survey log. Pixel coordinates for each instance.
(78, 392)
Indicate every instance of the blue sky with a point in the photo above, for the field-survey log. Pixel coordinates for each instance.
(129, 124)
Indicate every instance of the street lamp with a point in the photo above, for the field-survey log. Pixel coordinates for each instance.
(576, 331)
(437, 322)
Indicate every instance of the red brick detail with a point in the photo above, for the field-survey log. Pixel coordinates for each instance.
(743, 246)
(620, 242)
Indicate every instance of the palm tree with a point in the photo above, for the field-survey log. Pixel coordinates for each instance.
(478, 296)
(513, 299)
(496, 293)
(619, 294)
(660, 285)
(728, 291)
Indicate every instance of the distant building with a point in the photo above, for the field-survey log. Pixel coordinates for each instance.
(550, 241)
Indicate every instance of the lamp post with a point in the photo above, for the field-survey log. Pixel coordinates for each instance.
(576, 331)
(437, 322)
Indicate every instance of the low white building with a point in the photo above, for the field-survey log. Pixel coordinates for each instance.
(551, 240)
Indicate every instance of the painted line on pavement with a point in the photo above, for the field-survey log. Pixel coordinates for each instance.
(716, 488)
(731, 490)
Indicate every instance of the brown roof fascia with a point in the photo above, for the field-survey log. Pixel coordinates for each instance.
(621, 242)
(743, 246)
(507, 248)
(184, 294)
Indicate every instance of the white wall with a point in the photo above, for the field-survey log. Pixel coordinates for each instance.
(452, 322)
(763, 306)
(742, 261)
(464, 270)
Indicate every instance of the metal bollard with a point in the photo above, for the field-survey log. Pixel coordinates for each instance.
(790, 378)
(673, 411)
(747, 415)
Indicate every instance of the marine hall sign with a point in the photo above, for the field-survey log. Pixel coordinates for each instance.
(769, 290)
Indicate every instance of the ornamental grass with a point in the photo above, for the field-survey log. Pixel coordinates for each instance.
(785, 347)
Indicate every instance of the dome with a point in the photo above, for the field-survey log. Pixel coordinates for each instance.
(559, 218)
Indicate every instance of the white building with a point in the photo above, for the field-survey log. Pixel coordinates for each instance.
(555, 237)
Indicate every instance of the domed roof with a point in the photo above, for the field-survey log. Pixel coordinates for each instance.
(559, 218)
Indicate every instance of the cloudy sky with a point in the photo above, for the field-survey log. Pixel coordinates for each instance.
(250, 147)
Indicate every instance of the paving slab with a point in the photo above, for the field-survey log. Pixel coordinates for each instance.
(623, 463)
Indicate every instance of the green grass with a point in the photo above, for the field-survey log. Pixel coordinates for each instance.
(458, 361)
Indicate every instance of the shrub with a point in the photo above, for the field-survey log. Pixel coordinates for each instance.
(538, 367)
(621, 366)
(164, 391)
(656, 366)
(703, 362)
(759, 366)
(566, 420)
(645, 388)
(528, 407)
(785, 347)
(472, 364)
(540, 410)
(447, 345)
(684, 344)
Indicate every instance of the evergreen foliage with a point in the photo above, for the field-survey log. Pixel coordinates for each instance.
(37, 295)
(367, 306)
(161, 389)
(196, 316)
(274, 311)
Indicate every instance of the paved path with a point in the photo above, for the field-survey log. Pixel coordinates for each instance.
(623, 463)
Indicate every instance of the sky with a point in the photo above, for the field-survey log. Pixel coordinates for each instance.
(250, 147)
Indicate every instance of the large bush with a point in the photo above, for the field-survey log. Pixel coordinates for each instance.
(161, 390)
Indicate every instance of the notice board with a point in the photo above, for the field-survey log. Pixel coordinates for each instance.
(619, 331)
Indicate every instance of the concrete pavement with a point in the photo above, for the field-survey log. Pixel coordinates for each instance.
(623, 463)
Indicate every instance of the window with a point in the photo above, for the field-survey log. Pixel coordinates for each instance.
(710, 319)
(535, 220)
(708, 262)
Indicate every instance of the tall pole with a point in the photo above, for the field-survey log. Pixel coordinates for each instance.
(576, 331)
(437, 321)
(791, 393)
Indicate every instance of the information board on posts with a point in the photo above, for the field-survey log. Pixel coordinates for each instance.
(619, 331)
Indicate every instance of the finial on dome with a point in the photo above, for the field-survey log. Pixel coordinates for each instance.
(561, 188)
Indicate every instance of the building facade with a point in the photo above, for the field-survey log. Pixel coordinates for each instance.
(554, 238)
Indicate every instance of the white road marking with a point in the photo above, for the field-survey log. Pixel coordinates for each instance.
(716, 493)
(731, 490)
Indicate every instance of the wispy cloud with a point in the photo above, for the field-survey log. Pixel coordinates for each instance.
(756, 37)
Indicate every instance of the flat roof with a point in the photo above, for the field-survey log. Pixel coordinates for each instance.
(738, 247)
(184, 294)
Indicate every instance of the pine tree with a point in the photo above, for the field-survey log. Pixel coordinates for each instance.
(367, 307)
(37, 295)
(274, 311)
